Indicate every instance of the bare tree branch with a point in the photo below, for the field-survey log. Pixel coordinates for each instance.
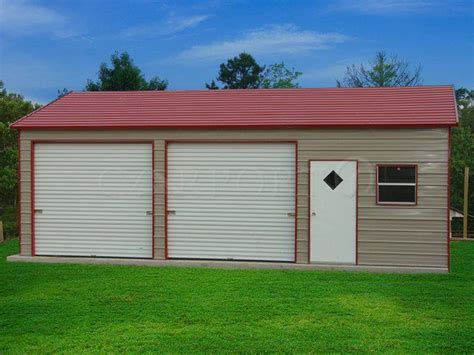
(384, 71)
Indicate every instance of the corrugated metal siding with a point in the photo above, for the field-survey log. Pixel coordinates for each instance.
(413, 232)
(92, 200)
(369, 107)
(231, 201)
(389, 235)
(25, 195)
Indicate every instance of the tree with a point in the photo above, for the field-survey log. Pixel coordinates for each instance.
(212, 86)
(63, 92)
(12, 107)
(464, 98)
(465, 102)
(241, 72)
(384, 71)
(123, 76)
(277, 76)
(462, 151)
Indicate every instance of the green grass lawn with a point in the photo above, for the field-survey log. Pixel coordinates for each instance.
(97, 308)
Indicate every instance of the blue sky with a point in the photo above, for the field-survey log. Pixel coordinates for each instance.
(49, 45)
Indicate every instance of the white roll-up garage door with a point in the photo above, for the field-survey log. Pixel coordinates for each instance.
(231, 201)
(93, 199)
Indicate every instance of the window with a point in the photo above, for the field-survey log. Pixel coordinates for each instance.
(333, 180)
(396, 184)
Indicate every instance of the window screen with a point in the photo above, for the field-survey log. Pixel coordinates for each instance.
(396, 184)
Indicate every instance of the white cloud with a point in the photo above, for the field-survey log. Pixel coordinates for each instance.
(379, 7)
(286, 39)
(22, 18)
(180, 24)
(172, 26)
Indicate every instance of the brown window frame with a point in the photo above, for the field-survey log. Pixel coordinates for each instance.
(395, 203)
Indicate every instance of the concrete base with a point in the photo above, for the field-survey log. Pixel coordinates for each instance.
(221, 264)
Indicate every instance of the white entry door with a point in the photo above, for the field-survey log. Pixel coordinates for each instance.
(93, 199)
(333, 211)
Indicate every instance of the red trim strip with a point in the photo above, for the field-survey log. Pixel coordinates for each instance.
(231, 127)
(416, 187)
(153, 199)
(357, 206)
(449, 199)
(296, 202)
(32, 171)
(18, 189)
(222, 141)
(86, 141)
(396, 204)
(95, 141)
(455, 107)
(357, 212)
(309, 211)
(166, 199)
(376, 184)
(230, 141)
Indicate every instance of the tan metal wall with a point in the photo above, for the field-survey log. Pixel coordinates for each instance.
(388, 235)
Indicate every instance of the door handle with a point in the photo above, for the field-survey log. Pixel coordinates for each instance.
(171, 212)
(291, 214)
(39, 211)
(148, 213)
(313, 213)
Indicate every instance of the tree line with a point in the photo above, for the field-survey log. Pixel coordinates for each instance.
(240, 72)
(243, 72)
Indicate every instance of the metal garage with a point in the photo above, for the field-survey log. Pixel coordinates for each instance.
(233, 201)
(93, 199)
(352, 177)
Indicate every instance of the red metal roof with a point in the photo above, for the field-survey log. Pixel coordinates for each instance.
(271, 108)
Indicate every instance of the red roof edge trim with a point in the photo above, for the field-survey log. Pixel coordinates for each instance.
(220, 128)
(455, 106)
(14, 124)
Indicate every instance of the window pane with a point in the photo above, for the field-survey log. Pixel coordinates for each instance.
(333, 180)
(397, 174)
(397, 193)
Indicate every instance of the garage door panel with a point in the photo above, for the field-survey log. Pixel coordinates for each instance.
(231, 201)
(119, 252)
(237, 199)
(92, 199)
(231, 220)
(85, 198)
(248, 255)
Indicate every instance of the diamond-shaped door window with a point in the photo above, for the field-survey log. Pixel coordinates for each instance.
(333, 180)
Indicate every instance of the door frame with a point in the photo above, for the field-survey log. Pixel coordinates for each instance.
(33, 143)
(357, 205)
(232, 141)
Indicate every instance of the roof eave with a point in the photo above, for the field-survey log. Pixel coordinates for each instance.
(222, 127)
(16, 124)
